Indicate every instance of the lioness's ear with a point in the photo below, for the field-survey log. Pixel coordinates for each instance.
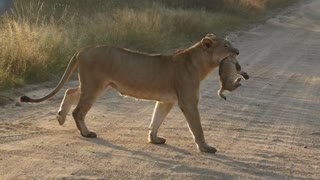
(206, 42)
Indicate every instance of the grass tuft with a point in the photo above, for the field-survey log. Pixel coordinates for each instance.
(38, 37)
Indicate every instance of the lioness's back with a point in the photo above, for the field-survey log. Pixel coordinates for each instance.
(131, 72)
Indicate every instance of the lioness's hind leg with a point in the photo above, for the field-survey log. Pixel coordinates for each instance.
(71, 97)
(161, 110)
(79, 114)
(87, 99)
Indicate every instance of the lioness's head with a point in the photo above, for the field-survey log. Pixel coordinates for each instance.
(218, 48)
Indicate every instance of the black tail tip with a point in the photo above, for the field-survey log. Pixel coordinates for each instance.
(24, 99)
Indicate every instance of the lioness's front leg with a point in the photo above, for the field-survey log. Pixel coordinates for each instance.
(190, 111)
(160, 111)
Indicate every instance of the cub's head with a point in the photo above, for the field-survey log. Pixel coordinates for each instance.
(218, 48)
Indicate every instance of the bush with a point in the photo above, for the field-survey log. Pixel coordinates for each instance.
(38, 37)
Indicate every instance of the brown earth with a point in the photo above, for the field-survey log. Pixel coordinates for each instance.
(268, 129)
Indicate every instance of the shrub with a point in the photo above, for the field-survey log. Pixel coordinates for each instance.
(38, 37)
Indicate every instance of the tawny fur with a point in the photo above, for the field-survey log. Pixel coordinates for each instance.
(230, 75)
(166, 79)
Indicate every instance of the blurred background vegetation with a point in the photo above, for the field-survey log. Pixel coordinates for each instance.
(38, 37)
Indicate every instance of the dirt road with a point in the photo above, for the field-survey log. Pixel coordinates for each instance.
(269, 128)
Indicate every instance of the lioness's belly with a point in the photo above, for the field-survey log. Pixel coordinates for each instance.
(145, 92)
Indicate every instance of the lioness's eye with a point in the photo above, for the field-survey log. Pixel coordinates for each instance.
(226, 45)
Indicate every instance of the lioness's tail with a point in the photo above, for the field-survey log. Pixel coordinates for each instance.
(70, 68)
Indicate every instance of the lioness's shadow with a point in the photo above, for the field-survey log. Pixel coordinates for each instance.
(172, 164)
(143, 155)
(104, 142)
(173, 148)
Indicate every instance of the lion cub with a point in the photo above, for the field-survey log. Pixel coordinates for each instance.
(230, 75)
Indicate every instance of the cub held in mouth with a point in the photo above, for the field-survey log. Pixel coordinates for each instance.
(230, 75)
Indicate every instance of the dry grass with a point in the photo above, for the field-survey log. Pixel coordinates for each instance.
(38, 37)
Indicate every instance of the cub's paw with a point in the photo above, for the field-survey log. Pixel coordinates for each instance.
(245, 75)
(219, 92)
(223, 96)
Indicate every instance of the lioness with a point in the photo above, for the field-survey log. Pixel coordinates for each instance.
(166, 79)
(230, 75)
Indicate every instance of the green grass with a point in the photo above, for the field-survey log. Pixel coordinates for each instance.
(38, 37)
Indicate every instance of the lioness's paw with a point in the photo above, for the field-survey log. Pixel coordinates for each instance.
(89, 135)
(207, 149)
(156, 140)
(61, 119)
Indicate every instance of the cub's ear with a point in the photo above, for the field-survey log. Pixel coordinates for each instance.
(207, 42)
(211, 36)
